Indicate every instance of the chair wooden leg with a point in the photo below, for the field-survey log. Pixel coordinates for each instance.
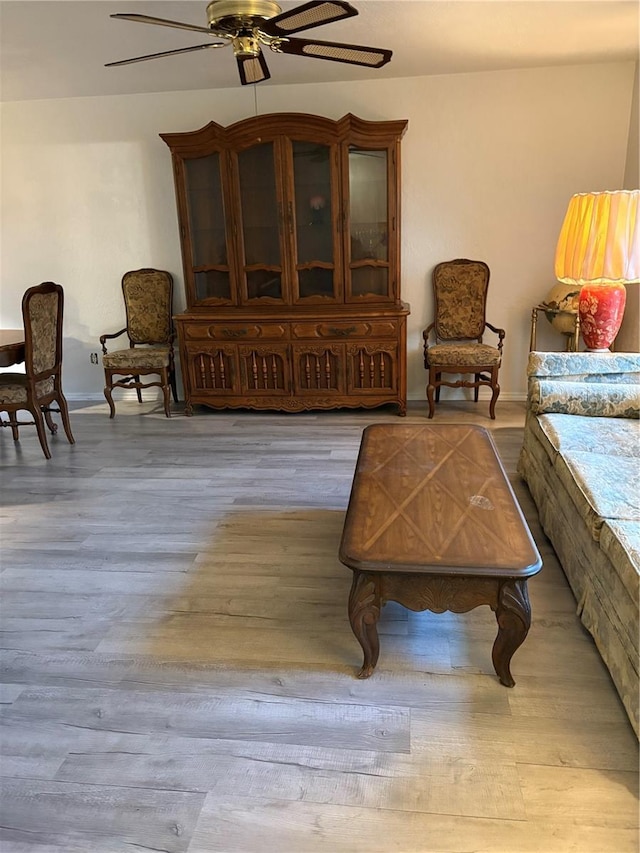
(42, 434)
(64, 414)
(166, 391)
(476, 388)
(437, 386)
(108, 395)
(174, 387)
(138, 390)
(496, 392)
(14, 427)
(431, 387)
(53, 427)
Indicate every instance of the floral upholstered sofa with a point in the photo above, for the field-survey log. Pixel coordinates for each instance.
(581, 461)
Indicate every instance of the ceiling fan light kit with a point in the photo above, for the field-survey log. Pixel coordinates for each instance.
(250, 25)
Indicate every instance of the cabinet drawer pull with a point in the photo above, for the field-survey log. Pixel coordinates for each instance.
(234, 333)
(341, 333)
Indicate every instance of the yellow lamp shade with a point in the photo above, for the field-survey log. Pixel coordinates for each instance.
(600, 239)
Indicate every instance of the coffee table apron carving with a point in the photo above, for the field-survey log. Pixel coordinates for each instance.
(433, 524)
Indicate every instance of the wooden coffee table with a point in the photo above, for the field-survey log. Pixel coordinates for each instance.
(433, 524)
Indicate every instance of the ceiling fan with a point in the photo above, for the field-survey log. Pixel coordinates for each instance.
(247, 25)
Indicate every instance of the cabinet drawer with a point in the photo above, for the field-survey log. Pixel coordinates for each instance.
(343, 330)
(235, 331)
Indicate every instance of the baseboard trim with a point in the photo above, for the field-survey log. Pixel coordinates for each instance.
(79, 396)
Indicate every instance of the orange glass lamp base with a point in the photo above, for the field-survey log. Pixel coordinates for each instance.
(601, 308)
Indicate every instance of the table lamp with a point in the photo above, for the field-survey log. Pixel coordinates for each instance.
(599, 249)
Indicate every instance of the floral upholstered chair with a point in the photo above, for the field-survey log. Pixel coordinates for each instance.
(456, 347)
(148, 297)
(41, 383)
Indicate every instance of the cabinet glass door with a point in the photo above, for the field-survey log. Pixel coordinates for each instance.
(369, 224)
(261, 212)
(315, 229)
(208, 243)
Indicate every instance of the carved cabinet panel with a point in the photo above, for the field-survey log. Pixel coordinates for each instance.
(210, 370)
(264, 370)
(319, 369)
(290, 237)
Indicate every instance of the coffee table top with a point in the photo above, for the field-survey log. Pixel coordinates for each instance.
(435, 499)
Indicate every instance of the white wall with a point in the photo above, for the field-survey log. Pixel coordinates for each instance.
(489, 163)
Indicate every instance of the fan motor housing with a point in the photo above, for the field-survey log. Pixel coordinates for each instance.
(234, 14)
(246, 46)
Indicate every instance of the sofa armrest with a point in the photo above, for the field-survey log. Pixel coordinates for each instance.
(594, 399)
(623, 367)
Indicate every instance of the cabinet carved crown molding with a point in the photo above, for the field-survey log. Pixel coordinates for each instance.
(290, 238)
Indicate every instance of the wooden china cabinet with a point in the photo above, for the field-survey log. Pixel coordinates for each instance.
(290, 235)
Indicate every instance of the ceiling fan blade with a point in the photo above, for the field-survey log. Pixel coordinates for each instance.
(354, 54)
(166, 53)
(163, 22)
(307, 16)
(252, 69)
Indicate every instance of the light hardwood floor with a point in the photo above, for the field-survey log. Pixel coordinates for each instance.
(179, 671)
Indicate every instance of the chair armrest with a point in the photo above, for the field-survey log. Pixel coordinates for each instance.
(104, 338)
(499, 332)
(425, 338)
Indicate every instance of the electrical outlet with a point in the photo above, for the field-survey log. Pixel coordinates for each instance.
(94, 358)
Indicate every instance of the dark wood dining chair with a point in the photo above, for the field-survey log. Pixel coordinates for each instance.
(148, 298)
(453, 342)
(40, 385)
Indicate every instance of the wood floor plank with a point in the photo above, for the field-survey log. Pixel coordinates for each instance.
(147, 561)
(393, 781)
(28, 632)
(232, 825)
(9, 692)
(404, 688)
(193, 715)
(99, 816)
(38, 579)
(559, 742)
(581, 796)
(229, 643)
(590, 699)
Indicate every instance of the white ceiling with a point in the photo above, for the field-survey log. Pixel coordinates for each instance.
(54, 49)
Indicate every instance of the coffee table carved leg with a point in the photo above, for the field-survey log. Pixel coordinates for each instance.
(364, 612)
(513, 615)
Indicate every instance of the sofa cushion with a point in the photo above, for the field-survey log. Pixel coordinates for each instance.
(558, 432)
(612, 436)
(601, 489)
(146, 358)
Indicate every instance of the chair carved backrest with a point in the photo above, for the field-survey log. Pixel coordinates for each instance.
(42, 308)
(460, 292)
(148, 297)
